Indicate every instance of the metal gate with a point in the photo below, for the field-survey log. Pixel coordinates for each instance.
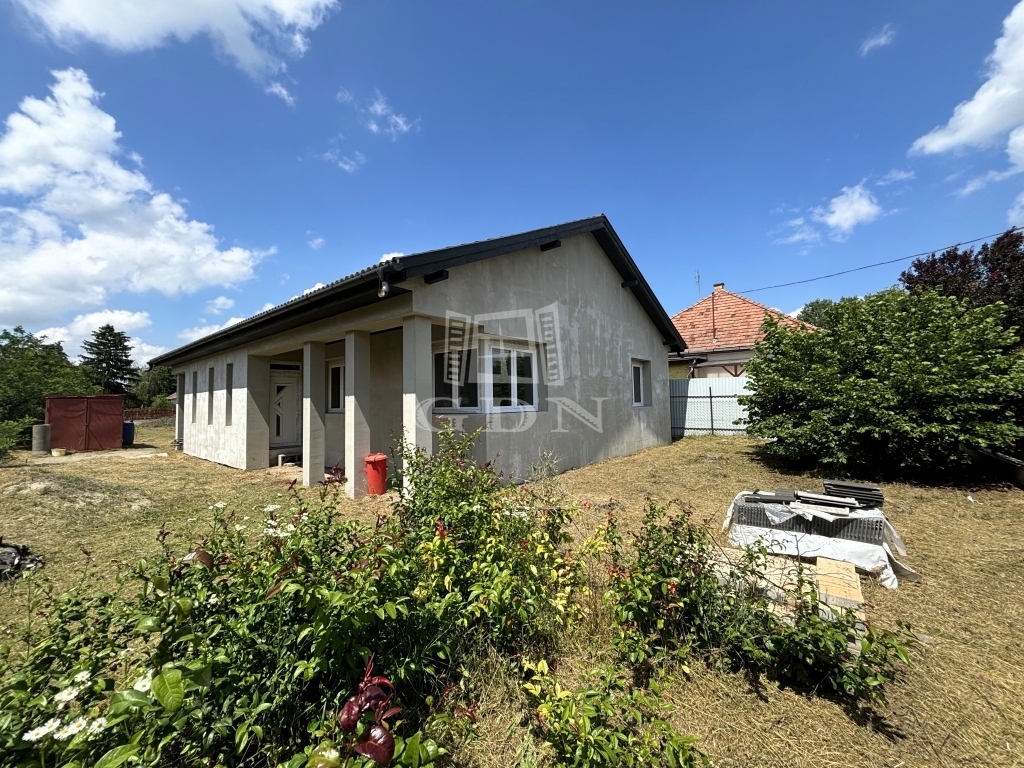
(707, 406)
(91, 423)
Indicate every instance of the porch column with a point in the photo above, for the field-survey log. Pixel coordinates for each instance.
(314, 403)
(357, 411)
(417, 382)
(257, 412)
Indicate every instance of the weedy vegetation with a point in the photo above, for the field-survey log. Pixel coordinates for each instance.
(307, 639)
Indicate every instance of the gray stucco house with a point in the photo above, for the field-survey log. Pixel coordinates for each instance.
(551, 339)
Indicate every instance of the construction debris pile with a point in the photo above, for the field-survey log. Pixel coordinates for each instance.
(14, 559)
(845, 523)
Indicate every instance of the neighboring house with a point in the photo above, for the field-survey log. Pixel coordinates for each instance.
(552, 340)
(720, 332)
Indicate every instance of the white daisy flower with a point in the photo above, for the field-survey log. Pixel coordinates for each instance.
(63, 697)
(239, 527)
(219, 505)
(77, 725)
(43, 730)
(82, 677)
(97, 725)
(272, 523)
(63, 734)
(271, 507)
(143, 684)
(212, 600)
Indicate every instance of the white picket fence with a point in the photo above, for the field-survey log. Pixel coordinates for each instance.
(707, 406)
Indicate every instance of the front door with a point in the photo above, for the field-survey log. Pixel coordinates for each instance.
(286, 418)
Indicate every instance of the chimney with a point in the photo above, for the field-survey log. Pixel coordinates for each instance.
(719, 287)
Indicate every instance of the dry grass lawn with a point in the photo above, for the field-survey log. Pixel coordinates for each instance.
(962, 703)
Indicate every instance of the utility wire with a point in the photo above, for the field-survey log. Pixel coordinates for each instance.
(880, 263)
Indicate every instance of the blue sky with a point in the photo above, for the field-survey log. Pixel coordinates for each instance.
(171, 166)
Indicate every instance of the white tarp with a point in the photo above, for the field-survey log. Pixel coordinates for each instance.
(875, 560)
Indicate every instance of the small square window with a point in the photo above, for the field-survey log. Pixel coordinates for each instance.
(513, 379)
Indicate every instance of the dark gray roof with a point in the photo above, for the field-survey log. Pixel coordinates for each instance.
(360, 288)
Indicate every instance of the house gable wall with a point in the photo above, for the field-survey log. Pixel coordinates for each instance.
(602, 328)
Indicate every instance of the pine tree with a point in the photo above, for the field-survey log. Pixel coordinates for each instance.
(108, 358)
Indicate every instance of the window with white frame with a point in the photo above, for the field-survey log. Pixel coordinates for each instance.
(455, 380)
(639, 383)
(512, 379)
(336, 388)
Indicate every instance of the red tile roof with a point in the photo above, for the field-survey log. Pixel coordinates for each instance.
(725, 319)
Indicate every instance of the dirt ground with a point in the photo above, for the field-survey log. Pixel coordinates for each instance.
(960, 705)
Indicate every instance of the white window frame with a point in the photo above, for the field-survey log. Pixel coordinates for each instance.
(456, 385)
(637, 365)
(338, 362)
(489, 377)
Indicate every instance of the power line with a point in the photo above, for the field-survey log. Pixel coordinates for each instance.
(880, 263)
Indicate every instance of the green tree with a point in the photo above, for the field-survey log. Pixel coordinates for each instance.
(108, 358)
(893, 387)
(817, 313)
(32, 368)
(157, 382)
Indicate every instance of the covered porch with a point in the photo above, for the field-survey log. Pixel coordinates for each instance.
(333, 398)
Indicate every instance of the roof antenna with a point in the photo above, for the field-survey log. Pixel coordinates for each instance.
(698, 285)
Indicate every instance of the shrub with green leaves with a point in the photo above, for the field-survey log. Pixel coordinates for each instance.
(672, 596)
(894, 385)
(11, 433)
(246, 649)
(608, 723)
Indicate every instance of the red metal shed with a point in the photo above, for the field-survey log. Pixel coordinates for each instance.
(85, 423)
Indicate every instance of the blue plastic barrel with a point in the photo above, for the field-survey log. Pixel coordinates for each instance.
(128, 433)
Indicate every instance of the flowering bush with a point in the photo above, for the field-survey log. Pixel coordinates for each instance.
(250, 648)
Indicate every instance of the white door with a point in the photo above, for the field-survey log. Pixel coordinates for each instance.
(285, 426)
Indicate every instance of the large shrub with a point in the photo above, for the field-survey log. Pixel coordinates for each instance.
(246, 650)
(895, 385)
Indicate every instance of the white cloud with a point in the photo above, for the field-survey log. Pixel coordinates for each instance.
(79, 225)
(998, 105)
(267, 306)
(142, 352)
(276, 89)
(218, 305)
(346, 163)
(895, 176)
(797, 232)
(383, 119)
(879, 39)
(796, 312)
(78, 330)
(191, 334)
(316, 243)
(315, 288)
(258, 34)
(995, 110)
(345, 95)
(390, 256)
(853, 206)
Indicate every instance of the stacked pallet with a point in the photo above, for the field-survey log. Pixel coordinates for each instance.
(866, 494)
